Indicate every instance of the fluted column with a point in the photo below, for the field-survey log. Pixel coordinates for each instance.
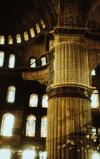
(68, 90)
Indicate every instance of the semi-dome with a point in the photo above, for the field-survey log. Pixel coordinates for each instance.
(22, 19)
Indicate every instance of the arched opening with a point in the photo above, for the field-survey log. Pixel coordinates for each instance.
(44, 125)
(11, 94)
(30, 126)
(7, 124)
(33, 101)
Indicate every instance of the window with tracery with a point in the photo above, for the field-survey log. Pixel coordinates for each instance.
(30, 126)
(33, 101)
(7, 124)
(1, 58)
(44, 125)
(45, 101)
(11, 62)
(11, 94)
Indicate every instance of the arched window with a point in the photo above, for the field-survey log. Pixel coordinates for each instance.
(44, 126)
(43, 61)
(93, 73)
(32, 62)
(11, 63)
(2, 39)
(29, 153)
(1, 58)
(30, 126)
(43, 23)
(18, 38)
(10, 39)
(32, 32)
(38, 28)
(5, 153)
(95, 99)
(33, 101)
(43, 155)
(11, 94)
(7, 124)
(45, 101)
(26, 37)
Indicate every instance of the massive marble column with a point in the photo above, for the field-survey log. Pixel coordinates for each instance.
(69, 101)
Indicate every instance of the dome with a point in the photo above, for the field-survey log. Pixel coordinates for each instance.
(16, 16)
(23, 18)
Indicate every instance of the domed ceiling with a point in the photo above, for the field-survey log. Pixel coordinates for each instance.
(17, 15)
(21, 20)
(27, 17)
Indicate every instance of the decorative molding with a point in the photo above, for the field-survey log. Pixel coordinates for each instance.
(41, 76)
(69, 91)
